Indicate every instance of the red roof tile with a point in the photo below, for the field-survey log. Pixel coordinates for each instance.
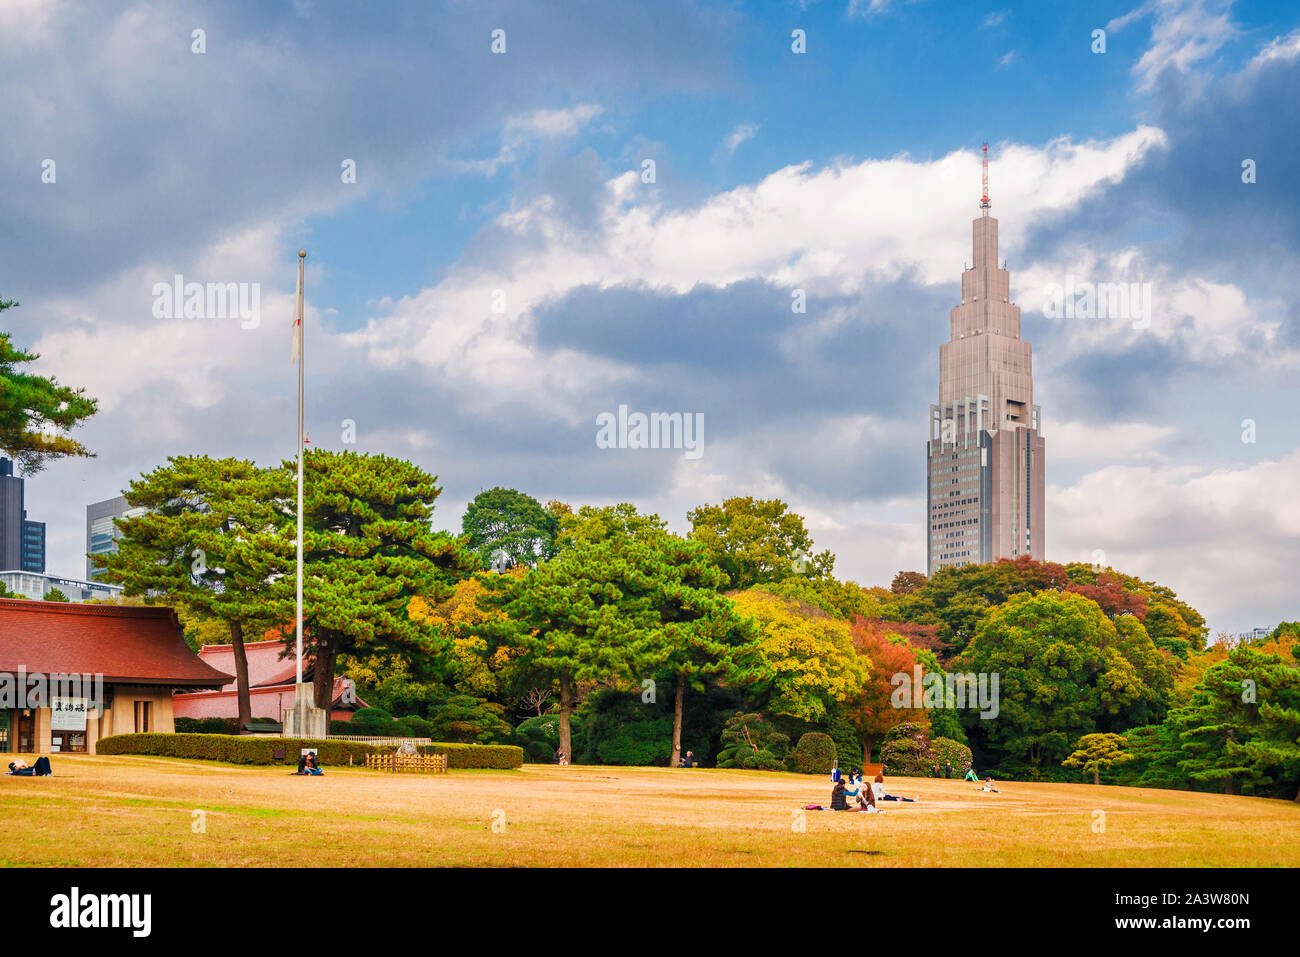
(265, 666)
(125, 644)
(225, 703)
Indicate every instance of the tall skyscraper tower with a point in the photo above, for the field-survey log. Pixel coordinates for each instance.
(985, 454)
(22, 541)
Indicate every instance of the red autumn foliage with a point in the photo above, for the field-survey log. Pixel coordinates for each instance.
(871, 713)
(1109, 593)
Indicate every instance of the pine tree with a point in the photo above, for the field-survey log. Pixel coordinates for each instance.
(368, 550)
(200, 544)
(34, 410)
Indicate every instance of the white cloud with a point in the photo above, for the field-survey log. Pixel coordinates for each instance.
(1185, 33)
(742, 132)
(1280, 48)
(520, 131)
(1227, 538)
(1099, 442)
(835, 225)
(1208, 320)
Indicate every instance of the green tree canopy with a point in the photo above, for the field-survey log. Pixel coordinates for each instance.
(509, 521)
(1064, 671)
(200, 544)
(596, 523)
(36, 412)
(1242, 725)
(587, 615)
(368, 549)
(1096, 752)
(757, 540)
(800, 662)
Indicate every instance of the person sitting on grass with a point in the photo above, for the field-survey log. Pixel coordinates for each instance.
(839, 799)
(878, 789)
(867, 800)
(688, 760)
(972, 776)
(988, 786)
(852, 786)
(307, 764)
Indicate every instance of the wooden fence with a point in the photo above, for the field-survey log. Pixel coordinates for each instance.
(436, 763)
(364, 739)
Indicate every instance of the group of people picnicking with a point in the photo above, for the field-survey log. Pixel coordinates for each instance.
(851, 792)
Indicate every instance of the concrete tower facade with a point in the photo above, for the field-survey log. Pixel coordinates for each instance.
(985, 454)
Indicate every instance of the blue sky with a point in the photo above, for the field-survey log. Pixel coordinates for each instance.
(849, 171)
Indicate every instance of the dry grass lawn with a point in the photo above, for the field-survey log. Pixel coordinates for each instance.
(102, 811)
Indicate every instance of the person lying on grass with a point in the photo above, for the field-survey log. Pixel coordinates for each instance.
(878, 787)
(20, 768)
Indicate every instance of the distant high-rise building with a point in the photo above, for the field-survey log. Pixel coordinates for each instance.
(985, 454)
(22, 542)
(101, 533)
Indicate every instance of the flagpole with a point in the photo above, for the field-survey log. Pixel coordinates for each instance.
(302, 256)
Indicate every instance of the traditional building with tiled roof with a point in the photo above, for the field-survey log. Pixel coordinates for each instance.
(271, 684)
(127, 662)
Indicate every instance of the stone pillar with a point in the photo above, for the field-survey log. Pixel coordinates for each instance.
(304, 719)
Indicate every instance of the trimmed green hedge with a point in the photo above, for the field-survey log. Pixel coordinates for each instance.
(236, 749)
(243, 749)
(505, 757)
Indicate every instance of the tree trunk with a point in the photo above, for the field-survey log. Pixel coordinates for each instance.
(1227, 785)
(676, 759)
(866, 752)
(327, 652)
(1096, 776)
(241, 673)
(566, 707)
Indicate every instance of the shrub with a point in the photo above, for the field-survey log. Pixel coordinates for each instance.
(947, 750)
(503, 757)
(814, 754)
(417, 727)
(236, 749)
(907, 751)
(242, 749)
(540, 737)
(848, 746)
(638, 743)
(468, 720)
(376, 723)
(750, 742)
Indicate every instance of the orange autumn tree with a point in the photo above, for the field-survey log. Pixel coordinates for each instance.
(871, 713)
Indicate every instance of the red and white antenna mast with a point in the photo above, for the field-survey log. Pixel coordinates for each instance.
(984, 199)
